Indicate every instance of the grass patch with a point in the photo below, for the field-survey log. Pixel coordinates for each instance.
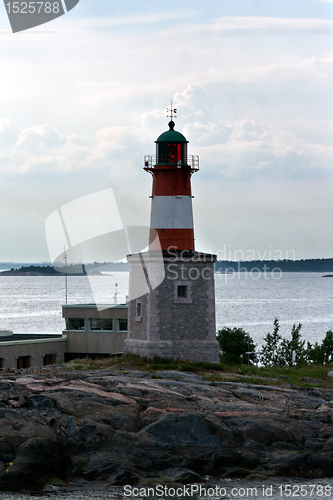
(134, 361)
(185, 366)
(305, 376)
(126, 361)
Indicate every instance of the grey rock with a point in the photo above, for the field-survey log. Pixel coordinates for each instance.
(123, 428)
(183, 430)
(180, 475)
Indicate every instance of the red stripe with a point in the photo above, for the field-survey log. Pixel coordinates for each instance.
(171, 181)
(178, 239)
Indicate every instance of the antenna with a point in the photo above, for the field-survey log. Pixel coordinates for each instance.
(65, 261)
(172, 112)
(115, 295)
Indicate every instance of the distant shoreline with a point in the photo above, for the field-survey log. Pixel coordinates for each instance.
(286, 266)
(74, 270)
(324, 266)
(37, 271)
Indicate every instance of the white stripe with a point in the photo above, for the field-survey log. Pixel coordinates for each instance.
(171, 212)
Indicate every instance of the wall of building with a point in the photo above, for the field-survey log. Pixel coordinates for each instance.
(95, 342)
(35, 352)
(170, 325)
(93, 311)
(138, 288)
(32, 349)
(88, 341)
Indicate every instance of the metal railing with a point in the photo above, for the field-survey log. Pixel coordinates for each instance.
(150, 162)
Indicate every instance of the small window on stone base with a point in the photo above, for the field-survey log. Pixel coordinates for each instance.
(183, 292)
(138, 311)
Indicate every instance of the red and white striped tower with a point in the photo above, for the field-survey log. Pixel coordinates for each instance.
(176, 317)
(171, 207)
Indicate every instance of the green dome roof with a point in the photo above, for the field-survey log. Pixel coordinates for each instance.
(171, 135)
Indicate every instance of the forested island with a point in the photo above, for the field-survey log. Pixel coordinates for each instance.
(221, 266)
(286, 266)
(40, 271)
(95, 268)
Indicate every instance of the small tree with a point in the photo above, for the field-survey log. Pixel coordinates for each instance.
(295, 344)
(327, 347)
(270, 352)
(315, 353)
(234, 342)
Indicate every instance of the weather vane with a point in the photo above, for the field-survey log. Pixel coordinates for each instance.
(172, 112)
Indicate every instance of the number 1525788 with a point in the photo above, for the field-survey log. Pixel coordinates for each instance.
(33, 7)
(305, 490)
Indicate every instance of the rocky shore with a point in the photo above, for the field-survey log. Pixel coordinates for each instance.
(134, 427)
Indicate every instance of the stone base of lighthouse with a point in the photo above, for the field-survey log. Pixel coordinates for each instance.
(171, 312)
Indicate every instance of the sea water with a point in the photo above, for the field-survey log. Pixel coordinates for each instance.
(32, 304)
(253, 302)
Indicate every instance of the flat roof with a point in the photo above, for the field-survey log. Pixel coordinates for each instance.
(95, 306)
(28, 338)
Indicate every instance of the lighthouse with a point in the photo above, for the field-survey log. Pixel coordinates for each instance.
(176, 318)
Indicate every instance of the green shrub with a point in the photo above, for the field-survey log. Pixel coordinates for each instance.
(235, 342)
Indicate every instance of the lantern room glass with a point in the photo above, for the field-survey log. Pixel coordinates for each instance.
(171, 153)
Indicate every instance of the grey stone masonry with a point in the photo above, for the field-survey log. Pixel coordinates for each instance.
(171, 310)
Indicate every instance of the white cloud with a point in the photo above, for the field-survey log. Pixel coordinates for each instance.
(250, 177)
(242, 150)
(43, 149)
(254, 152)
(193, 103)
(8, 132)
(39, 138)
(271, 25)
(202, 134)
(129, 20)
(82, 79)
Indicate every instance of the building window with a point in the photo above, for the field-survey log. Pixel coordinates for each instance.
(49, 359)
(75, 323)
(138, 311)
(122, 325)
(23, 362)
(101, 324)
(182, 291)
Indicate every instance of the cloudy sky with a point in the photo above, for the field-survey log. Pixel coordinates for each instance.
(83, 98)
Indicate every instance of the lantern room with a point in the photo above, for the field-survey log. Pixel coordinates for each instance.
(171, 152)
(171, 147)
